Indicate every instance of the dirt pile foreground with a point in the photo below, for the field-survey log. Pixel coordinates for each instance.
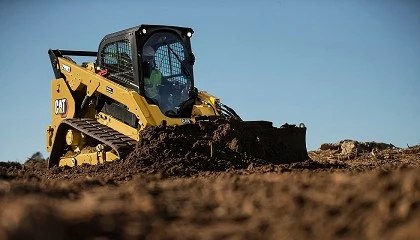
(374, 195)
(242, 204)
(208, 146)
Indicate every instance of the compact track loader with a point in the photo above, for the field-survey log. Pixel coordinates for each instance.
(142, 77)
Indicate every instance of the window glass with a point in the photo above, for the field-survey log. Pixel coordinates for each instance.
(167, 53)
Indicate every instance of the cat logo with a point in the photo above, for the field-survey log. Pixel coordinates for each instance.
(61, 107)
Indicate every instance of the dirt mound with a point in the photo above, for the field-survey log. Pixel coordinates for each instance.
(207, 146)
(351, 148)
(32, 167)
(389, 158)
(176, 151)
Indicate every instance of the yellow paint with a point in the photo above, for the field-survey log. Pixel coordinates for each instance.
(88, 158)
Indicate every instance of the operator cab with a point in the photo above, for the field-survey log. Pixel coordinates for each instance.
(154, 60)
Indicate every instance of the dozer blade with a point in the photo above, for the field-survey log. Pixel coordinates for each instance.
(286, 144)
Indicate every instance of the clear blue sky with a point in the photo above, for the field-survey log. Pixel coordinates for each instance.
(347, 69)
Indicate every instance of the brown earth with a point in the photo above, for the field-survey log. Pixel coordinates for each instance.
(174, 186)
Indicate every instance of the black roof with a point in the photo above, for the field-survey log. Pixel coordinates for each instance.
(146, 26)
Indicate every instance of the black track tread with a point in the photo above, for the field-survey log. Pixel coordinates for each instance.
(92, 128)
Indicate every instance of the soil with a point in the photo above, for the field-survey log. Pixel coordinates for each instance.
(207, 182)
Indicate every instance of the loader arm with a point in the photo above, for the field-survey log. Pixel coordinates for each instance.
(136, 104)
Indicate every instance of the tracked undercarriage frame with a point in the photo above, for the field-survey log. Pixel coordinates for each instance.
(110, 144)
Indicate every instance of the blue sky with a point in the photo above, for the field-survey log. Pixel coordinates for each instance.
(348, 69)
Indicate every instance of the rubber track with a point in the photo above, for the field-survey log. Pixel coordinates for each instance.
(122, 144)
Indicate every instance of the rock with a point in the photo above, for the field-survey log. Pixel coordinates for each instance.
(330, 146)
(378, 146)
(349, 147)
(250, 167)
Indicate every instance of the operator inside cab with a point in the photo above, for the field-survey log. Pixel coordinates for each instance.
(153, 78)
(167, 74)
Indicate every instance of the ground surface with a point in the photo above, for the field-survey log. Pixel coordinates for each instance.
(159, 194)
